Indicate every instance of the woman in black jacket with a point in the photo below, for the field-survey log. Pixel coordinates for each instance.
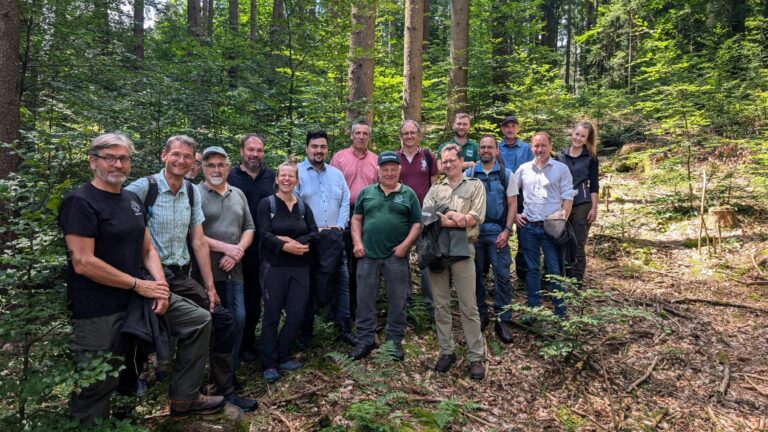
(581, 158)
(286, 227)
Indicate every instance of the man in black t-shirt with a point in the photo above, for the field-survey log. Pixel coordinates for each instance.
(108, 243)
(257, 181)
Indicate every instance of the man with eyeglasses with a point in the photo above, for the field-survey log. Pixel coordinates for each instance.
(104, 281)
(172, 218)
(229, 230)
(465, 199)
(196, 169)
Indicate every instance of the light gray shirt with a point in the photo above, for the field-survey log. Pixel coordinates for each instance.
(544, 189)
(226, 219)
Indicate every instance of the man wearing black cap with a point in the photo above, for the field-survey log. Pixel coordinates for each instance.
(515, 152)
(384, 226)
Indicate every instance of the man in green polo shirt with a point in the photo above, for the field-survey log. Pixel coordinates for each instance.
(384, 226)
(469, 147)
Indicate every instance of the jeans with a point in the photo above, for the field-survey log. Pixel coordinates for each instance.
(231, 294)
(535, 241)
(251, 295)
(500, 260)
(370, 271)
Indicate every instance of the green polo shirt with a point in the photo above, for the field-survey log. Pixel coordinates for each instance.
(387, 219)
(468, 151)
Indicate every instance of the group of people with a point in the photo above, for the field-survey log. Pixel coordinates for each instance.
(166, 258)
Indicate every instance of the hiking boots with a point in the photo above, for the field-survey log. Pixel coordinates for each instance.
(361, 351)
(476, 370)
(445, 362)
(504, 331)
(247, 405)
(202, 405)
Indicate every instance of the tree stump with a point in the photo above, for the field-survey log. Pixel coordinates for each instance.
(724, 216)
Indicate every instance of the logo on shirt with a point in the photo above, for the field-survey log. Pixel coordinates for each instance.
(399, 199)
(136, 208)
(423, 165)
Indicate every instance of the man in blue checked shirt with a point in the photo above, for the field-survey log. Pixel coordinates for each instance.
(326, 192)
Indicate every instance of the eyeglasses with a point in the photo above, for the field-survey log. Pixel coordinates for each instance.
(218, 166)
(409, 133)
(177, 155)
(109, 159)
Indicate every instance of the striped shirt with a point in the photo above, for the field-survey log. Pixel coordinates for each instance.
(170, 218)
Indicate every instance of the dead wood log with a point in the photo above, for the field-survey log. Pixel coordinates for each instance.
(714, 302)
(644, 377)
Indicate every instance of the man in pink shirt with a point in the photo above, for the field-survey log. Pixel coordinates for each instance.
(360, 167)
(356, 162)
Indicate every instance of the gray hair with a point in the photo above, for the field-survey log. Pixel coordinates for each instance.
(108, 140)
(410, 122)
(183, 139)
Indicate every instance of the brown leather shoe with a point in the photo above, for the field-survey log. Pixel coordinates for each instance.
(202, 405)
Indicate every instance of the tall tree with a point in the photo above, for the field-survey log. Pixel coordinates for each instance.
(501, 50)
(412, 53)
(361, 61)
(457, 76)
(10, 121)
(194, 18)
(138, 30)
(253, 20)
(738, 16)
(208, 15)
(234, 15)
(549, 12)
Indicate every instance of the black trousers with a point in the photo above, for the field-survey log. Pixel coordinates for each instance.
(285, 288)
(251, 297)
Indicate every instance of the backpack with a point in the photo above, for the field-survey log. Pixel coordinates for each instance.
(428, 159)
(273, 207)
(153, 190)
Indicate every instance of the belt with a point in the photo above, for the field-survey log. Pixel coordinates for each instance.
(175, 269)
(472, 240)
(536, 223)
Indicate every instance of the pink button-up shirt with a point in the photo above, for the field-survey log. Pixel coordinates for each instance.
(359, 172)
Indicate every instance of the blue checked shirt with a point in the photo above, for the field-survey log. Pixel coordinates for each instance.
(326, 192)
(170, 218)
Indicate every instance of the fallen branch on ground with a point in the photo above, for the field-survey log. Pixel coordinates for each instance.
(284, 420)
(758, 389)
(309, 392)
(726, 379)
(719, 303)
(588, 417)
(644, 377)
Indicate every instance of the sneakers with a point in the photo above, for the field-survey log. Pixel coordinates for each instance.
(476, 370)
(361, 351)
(290, 365)
(247, 405)
(503, 331)
(445, 362)
(202, 405)
(271, 375)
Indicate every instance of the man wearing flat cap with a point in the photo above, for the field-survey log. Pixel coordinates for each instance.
(385, 224)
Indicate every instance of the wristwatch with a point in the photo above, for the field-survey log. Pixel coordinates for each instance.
(508, 228)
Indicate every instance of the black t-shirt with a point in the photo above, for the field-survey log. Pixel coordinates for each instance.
(255, 189)
(116, 223)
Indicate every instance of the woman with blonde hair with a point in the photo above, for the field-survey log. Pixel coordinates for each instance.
(581, 159)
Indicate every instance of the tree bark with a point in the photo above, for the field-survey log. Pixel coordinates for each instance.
(426, 25)
(194, 18)
(457, 76)
(234, 15)
(10, 121)
(413, 46)
(278, 20)
(501, 48)
(738, 16)
(361, 61)
(253, 20)
(138, 30)
(208, 14)
(568, 35)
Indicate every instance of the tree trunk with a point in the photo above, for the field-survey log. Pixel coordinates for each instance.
(568, 34)
(10, 121)
(551, 20)
(234, 15)
(413, 46)
(138, 31)
(278, 21)
(208, 14)
(501, 47)
(253, 20)
(457, 76)
(738, 16)
(361, 61)
(194, 18)
(426, 25)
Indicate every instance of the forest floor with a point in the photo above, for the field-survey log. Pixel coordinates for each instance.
(677, 340)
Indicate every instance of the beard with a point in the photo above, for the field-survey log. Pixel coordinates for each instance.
(216, 180)
(252, 164)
